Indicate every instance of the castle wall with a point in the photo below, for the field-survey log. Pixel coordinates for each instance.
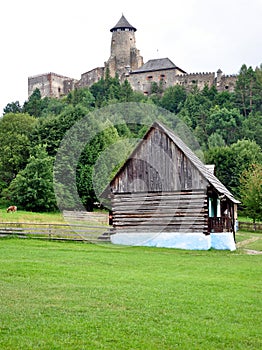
(143, 81)
(195, 79)
(50, 85)
(91, 77)
(226, 83)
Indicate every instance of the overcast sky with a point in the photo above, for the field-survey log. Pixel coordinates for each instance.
(73, 37)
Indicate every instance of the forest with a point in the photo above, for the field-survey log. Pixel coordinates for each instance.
(227, 126)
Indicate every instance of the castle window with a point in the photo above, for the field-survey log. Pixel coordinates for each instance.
(226, 87)
(149, 77)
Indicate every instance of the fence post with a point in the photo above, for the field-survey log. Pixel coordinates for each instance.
(50, 231)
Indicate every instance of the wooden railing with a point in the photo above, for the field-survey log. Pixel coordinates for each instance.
(222, 224)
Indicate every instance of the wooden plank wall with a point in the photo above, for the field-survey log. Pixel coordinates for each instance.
(184, 211)
(158, 165)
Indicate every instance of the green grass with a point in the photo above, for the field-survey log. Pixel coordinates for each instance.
(246, 219)
(57, 295)
(252, 240)
(29, 217)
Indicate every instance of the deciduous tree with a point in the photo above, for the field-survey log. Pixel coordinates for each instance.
(251, 192)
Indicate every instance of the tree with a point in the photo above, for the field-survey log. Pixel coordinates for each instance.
(87, 162)
(13, 107)
(34, 104)
(216, 140)
(125, 92)
(225, 122)
(251, 192)
(173, 98)
(50, 130)
(231, 161)
(81, 96)
(32, 189)
(248, 90)
(224, 99)
(252, 128)
(15, 145)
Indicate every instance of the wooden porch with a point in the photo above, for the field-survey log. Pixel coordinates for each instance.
(221, 224)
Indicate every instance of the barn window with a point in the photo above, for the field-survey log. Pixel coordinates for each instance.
(214, 209)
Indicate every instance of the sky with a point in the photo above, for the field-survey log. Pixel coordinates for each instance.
(73, 37)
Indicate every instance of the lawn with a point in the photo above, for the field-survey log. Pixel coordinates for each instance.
(29, 217)
(56, 295)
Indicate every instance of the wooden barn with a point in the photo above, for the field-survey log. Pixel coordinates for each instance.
(165, 196)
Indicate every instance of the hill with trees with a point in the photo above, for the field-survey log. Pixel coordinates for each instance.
(227, 126)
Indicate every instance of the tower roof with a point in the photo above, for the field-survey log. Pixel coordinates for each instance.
(122, 24)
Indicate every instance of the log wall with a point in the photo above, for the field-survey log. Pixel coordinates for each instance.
(181, 211)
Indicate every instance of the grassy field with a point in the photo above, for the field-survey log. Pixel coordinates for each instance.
(56, 295)
(29, 217)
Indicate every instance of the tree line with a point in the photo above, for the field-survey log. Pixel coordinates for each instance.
(227, 126)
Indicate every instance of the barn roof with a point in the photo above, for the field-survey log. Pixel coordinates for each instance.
(157, 64)
(200, 166)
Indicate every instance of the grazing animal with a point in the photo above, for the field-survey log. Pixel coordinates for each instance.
(11, 209)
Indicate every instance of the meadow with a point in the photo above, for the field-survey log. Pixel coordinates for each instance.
(66, 295)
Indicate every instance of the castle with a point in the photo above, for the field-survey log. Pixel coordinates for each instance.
(125, 61)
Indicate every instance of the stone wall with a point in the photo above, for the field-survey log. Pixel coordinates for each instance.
(51, 85)
(196, 79)
(226, 83)
(143, 81)
(91, 77)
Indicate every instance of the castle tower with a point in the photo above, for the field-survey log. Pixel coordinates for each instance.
(124, 54)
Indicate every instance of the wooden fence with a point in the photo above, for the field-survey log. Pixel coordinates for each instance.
(76, 232)
(249, 226)
(86, 217)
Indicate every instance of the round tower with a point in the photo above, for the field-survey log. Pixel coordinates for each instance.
(124, 54)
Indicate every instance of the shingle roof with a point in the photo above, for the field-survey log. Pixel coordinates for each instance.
(208, 175)
(122, 24)
(156, 64)
(201, 167)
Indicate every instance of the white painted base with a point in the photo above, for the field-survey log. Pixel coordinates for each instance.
(190, 241)
(223, 241)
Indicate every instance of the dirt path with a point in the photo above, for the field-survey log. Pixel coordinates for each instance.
(247, 241)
